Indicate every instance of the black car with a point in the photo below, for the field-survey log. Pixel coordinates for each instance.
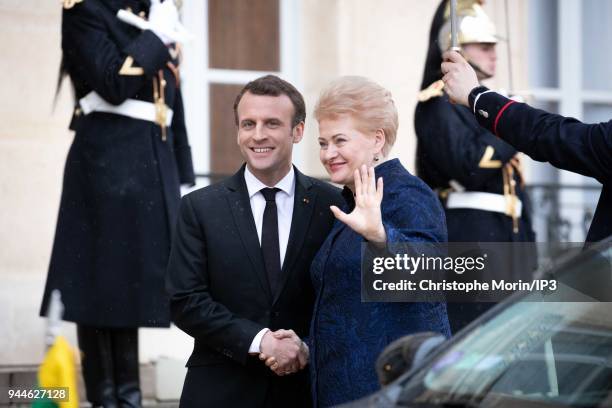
(541, 349)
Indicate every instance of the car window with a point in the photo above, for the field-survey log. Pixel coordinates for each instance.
(547, 351)
(553, 352)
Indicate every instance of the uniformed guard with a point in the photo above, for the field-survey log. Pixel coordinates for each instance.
(477, 175)
(121, 187)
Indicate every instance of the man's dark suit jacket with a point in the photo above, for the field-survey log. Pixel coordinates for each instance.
(221, 297)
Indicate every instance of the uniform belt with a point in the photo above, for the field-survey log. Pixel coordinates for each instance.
(92, 102)
(484, 201)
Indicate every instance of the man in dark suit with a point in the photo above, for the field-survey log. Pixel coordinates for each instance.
(239, 265)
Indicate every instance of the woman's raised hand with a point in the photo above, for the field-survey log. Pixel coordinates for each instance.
(366, 218)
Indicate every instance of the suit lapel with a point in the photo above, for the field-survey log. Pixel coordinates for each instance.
(240, 205)
(303, 208)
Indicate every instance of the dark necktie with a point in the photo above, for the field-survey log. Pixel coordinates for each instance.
(269, 238)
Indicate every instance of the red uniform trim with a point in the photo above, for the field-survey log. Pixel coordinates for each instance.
(510, 102)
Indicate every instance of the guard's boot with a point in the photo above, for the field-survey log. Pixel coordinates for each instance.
(97, 366)
(125, 359)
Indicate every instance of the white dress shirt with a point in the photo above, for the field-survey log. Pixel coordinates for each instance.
(284, 211)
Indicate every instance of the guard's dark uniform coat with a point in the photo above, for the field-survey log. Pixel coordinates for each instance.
(452, 146)
(565, 143)
(121, 181)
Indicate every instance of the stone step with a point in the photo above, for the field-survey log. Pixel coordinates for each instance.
(24, 377)
(145, 403)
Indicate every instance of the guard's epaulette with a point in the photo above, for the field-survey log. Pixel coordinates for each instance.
(432, 91)
(68, 4)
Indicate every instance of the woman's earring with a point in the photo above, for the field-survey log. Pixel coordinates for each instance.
(376, 158)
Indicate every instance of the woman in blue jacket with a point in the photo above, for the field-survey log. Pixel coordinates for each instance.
(358, 124)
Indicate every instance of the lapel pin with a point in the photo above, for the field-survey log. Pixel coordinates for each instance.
(305, 200)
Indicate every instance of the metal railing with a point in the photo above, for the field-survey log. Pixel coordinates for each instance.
(562, 212)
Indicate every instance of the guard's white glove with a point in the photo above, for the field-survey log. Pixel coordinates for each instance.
(164, 20)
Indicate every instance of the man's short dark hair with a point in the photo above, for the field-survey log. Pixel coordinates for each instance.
(274, 86)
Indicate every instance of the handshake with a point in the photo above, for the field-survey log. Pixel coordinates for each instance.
(283, 352)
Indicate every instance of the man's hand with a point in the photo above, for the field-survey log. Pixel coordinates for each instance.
(293, 353)
(459, 77)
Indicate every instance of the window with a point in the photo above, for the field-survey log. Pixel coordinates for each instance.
(235, 42)
(568, 74)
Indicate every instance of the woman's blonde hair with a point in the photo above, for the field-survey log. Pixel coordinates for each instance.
(364, 100)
